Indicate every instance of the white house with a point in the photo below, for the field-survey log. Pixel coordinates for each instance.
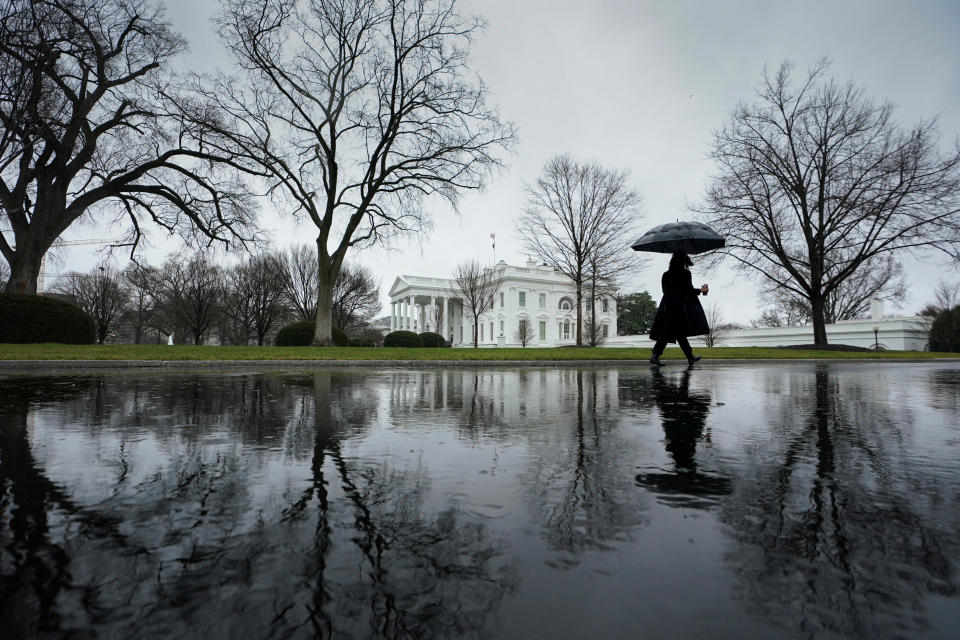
(534, 294)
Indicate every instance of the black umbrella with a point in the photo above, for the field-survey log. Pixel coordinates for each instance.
(690, 237)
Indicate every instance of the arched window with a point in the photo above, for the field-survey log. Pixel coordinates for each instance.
(566, 304)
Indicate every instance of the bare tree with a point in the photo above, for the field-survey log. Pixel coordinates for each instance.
(141, 283)
(83, 130)
(356, 298)
(356, 111)
(524, 333)
(300, 265)
(716, 324)
(476, 286)
(102, 293)
(945, 297)
(578, 217)
(815, 181)
(191, 289)
(254, 297)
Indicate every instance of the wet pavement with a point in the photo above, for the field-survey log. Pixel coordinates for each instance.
(756, 500)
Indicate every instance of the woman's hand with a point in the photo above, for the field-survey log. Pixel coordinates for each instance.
(704, 289)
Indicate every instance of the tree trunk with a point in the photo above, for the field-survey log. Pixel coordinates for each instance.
(25, 268)
(819, 323)
(594, 332)
(323, 331)
(476, 331)
(580, 312)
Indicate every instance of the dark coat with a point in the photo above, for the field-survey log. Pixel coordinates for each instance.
(679, 313)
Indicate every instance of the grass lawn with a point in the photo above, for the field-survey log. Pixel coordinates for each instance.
(164, 352)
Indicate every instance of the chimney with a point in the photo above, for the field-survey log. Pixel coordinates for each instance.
(876, 309)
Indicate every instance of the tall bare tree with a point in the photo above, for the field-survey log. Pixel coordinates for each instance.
(356, 298)
(300, 264)
(141, 282)
(102, 293)
(83, 131)
(580, 216)
(357, 111)
(816, 180)
(191, 289)
(255, 296)
(476, 287)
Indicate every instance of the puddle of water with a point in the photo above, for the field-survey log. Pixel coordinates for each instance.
(756, 500)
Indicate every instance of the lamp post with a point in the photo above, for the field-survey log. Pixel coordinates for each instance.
(876, 342)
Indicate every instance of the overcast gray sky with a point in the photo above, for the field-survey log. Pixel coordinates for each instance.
(641, 85)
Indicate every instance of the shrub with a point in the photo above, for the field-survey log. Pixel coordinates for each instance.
(300, 334)
(402, 339)
(361, 342)
(26, 319)
(945, 331)
(430, 339)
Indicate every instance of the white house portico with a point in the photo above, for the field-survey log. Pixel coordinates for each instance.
(535, 294)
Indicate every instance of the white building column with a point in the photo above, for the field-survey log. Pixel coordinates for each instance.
(411, 311)
(393, 316)
(433, 313)
(446, 320)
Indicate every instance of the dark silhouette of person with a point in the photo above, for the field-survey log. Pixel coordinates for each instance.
(679, 314)
(684, 416)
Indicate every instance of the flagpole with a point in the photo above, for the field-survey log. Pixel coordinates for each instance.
(493, 236)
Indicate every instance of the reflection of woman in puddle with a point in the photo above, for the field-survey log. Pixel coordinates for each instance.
(684, 415)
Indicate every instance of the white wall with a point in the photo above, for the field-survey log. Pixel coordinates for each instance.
(900, 334)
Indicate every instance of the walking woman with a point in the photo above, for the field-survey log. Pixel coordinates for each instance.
(679, 314)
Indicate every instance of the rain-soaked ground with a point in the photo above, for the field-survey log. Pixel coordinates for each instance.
(801, 500)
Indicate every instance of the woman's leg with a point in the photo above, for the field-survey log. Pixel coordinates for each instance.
(659, 347)
(685, 347)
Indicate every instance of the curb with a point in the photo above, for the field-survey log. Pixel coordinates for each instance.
(20, 365)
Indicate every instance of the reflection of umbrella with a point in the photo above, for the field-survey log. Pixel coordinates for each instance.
(690, 237)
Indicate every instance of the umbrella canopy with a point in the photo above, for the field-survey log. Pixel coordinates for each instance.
(689, 237)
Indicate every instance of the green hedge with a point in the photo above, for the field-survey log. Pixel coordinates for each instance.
(945, 331)
(32, 319)
(430, 339)
(402, 339)
(300, 334)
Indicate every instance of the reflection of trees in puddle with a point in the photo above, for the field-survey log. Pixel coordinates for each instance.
(197, 546)
(945, 390)
(578, 483)
(838, 531)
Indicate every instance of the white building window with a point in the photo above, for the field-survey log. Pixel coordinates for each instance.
(523, 299)
(491, 331)
(501, 327)
(543, 301)
(501, 299)
(563, 330)
(481, 332)
(543, 331)
(604, 306)
(606, 331)
(565, 304)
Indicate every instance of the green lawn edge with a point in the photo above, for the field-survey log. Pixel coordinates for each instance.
(55, 352)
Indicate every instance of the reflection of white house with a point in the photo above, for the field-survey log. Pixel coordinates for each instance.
(534, 294)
